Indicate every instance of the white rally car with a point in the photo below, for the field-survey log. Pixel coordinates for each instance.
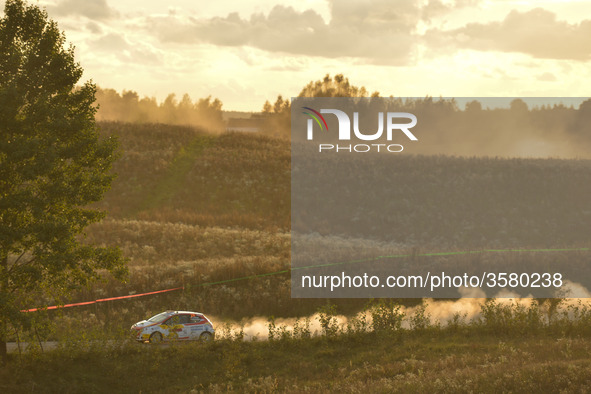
(173, 325)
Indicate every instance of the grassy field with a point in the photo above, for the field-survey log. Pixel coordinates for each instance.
(430, 360)
(180, 174)
(190, 209)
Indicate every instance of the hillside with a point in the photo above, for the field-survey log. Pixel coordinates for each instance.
(190, 208)
(180, 175)
(211, 213)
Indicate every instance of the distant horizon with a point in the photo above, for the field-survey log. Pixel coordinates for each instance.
(487, 102)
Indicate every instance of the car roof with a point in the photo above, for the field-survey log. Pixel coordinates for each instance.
(183, 312)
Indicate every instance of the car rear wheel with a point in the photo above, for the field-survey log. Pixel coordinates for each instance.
(206, 337)
(156, 337)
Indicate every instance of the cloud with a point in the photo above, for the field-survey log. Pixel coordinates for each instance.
(547, 77)
(117, 45)
(438, 8)
(94, 27)
(537, 33)
(379, 31)
(375, 29)
(92, 9)
(110, 42)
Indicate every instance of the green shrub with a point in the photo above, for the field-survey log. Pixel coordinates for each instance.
(420, 319)
(328, 321)
(386, 316)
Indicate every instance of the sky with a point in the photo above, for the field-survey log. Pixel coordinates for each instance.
(247, 51)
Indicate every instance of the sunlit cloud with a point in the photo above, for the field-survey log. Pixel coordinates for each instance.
(538, 33)
(385, 34)
(92, 9)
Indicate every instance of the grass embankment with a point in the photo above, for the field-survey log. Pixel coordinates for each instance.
(540, 347)
(425, 361)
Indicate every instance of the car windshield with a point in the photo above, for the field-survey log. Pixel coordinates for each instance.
(158, 317)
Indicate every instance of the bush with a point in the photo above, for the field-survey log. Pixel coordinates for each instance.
(420, 319)
(328, 321)
(511, 317)
(386, 316)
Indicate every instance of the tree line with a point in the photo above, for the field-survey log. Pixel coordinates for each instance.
(127, 106)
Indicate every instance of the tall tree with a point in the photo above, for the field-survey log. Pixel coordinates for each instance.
(338, 86)
(53, 164)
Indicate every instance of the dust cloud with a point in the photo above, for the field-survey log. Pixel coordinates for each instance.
(442, 312)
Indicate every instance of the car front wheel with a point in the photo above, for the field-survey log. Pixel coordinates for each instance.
(156, 337)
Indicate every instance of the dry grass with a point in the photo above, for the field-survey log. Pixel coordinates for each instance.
(181, 174)
(431, 361)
